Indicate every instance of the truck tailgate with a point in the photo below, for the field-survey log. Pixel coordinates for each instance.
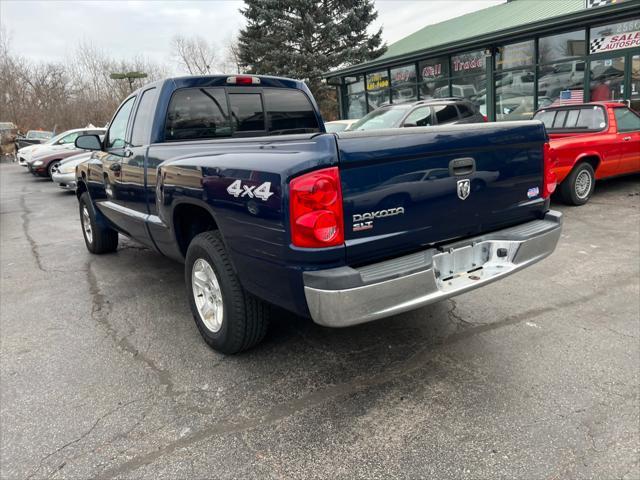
(404, 189)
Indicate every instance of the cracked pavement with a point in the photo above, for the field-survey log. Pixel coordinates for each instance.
(103, 373)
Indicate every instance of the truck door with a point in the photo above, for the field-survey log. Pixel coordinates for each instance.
(628, 124)
(133, 181)
(111, 161)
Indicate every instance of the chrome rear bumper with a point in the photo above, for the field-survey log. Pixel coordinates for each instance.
(346, 296)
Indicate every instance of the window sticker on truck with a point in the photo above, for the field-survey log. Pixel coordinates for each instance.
(263, 192)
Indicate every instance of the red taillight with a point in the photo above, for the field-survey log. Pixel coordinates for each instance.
(243, 80)
(316, 209)
(486, 119)
(549, 178)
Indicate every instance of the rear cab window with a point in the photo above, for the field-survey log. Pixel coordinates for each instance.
(581, 119)
(218, 112)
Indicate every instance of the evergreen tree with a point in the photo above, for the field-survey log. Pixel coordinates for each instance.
(305, 38)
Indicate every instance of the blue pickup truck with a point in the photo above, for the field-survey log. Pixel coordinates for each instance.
(236, 177)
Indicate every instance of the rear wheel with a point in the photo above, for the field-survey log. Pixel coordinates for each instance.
(98, 237)
(578, 187)
(228, 317)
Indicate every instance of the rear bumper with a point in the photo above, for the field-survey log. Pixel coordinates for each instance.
(346, 296)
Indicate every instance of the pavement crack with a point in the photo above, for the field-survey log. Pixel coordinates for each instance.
(26, 222)
(100, 310)
(79, 439)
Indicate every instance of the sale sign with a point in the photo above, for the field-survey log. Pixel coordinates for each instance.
(615, 42)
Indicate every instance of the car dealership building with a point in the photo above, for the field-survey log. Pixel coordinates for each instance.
(510, 59)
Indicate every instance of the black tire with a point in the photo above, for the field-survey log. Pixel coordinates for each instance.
(571, 192)
(245, 318)
(103, 239)
(51, 166)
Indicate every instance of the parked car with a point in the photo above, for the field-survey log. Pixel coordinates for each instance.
(592, 141)
(190, 168)
(62, 141)
(339, 125)
(33, 137)
(44, 163)
(435, 111)
(64, 173)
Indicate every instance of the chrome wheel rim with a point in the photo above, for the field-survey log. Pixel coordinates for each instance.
(583, 184)
(86, 224)
(207, 294)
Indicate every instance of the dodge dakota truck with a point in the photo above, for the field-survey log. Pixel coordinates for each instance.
(236, 177)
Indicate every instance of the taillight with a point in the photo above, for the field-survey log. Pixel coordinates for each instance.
(486, 119)
(316, 215)
(549, 178)
(243, 80)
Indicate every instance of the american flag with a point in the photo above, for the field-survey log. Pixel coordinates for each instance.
(569, 97)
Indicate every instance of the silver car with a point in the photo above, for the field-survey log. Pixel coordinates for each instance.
(64, 174)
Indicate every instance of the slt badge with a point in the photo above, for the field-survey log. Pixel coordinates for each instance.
(464, 189)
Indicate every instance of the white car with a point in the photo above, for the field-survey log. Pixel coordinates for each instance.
(339, 125)
(65, 140)
(64, 174)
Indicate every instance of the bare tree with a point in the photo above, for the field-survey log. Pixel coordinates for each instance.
(194, 54)
(231, 62)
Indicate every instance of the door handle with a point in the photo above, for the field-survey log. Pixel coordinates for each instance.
(462, 166)
(115, 167)
(626, 139)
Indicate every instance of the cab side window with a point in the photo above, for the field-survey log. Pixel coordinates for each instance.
(143, 121)
(420, 117)
(118, 128)
(446, 113)
(627, 120)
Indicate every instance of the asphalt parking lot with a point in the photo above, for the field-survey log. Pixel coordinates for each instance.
(103, 373)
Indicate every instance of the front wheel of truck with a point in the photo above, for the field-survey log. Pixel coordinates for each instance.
(98, 237)
(228, 317)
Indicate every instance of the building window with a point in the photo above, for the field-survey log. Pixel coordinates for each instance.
(354, 105)
(615, 36)
(515, 81)
(635, 83)
(469, 79)
(434, 78)
(561, 68)
(377, 89)
(403, 84)
(606, 79)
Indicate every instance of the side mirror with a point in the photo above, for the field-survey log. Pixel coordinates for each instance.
(88, 142)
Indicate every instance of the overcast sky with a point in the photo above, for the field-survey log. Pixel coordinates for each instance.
(48, 30)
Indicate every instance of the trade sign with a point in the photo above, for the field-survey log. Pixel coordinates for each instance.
(615, 42)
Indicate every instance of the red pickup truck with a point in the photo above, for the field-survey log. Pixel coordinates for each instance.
(591, 141)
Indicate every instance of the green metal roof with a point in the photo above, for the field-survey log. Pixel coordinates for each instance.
(504, 20)
(482, 22)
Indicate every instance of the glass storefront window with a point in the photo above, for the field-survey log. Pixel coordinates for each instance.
(470, 81)
(562, 46)
(515, 55)
(615, 36)
(355, 106)
(468, 63)
(607, 79)
(354, 84)
(377, 89)
(564, 80)
(635, 83)
(514, 94)
(403, 84)
(472, 87)
(434, 78)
